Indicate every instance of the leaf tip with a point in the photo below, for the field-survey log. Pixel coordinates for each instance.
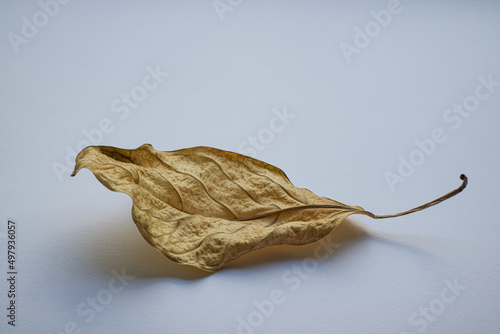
(80, 156)
(77, 169)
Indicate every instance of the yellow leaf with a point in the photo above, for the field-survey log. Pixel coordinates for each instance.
(206, 207)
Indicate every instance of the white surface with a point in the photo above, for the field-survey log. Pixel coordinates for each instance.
(227, 79)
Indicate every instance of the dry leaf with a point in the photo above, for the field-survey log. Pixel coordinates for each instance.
(206, 207)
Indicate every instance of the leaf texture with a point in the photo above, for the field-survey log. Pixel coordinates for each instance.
(205, 207)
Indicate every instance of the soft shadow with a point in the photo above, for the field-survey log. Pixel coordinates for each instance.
(438, 251)
(119, 244)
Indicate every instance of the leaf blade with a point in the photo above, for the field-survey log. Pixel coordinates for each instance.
(196, 205)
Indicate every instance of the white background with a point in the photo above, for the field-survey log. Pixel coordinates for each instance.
(354, 117)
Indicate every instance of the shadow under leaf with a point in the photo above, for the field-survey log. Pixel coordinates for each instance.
(119, 244)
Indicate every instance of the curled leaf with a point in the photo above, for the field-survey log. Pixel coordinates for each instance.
(206, 207)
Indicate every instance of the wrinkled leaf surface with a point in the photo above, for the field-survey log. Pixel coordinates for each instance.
(206, 207)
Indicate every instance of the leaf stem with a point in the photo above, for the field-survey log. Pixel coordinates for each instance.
(426, 205)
